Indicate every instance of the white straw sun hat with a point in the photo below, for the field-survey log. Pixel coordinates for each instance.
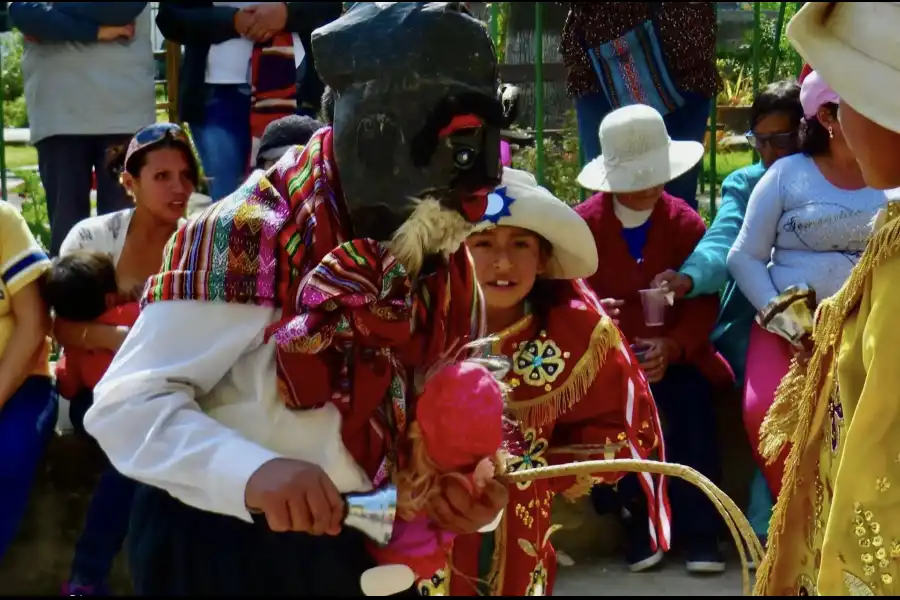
(638, 153)
(856, 49)
(520, 202)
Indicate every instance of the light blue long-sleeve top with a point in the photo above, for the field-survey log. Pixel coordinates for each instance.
(707, 267)
(800, 230)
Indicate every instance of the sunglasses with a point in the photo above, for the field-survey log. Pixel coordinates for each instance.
(157, 132)
(779, 141)
(154, 134)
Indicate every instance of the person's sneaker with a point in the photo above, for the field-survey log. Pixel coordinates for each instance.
(705, 560)
(638, 562)
(639, 554)
(79, 589)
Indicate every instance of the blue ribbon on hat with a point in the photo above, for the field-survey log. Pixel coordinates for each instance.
(498, 203)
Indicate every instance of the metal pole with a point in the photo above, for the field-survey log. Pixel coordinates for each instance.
(495, 24)
(713, 144)
(798, 65)
(776, 56)
(582, 196)
(757, 44)
(539, 90)
(3, 191)
(757, 54)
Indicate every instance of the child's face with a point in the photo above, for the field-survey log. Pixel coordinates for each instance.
(508, 260)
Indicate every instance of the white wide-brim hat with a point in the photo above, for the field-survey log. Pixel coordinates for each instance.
(638, 153)
(520, 202)
(857, 51)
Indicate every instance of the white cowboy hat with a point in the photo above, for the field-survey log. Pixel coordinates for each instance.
(520, 202)
(638, 153)
(856, 49)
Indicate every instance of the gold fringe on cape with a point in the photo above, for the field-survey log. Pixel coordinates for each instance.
(790, 417)
(546, 408)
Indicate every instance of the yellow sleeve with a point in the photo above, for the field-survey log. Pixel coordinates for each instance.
(22, 260)
(861, 553)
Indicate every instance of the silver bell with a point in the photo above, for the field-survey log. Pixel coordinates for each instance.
(373, 513)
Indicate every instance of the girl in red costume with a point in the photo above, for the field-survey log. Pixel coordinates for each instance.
(576, 392)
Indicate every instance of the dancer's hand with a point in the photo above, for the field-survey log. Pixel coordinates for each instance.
(295, 496)
(456, 510)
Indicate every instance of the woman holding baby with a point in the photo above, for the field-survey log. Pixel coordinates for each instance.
(103, 266)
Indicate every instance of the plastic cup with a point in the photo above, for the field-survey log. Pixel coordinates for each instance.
(654, 303)
(640, 352)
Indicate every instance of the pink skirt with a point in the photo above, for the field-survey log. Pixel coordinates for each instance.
(768, 360)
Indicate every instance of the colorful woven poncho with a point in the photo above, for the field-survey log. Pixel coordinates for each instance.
(354, 327)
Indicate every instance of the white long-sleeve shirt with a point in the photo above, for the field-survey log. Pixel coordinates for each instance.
(190, 404)
(800, 230)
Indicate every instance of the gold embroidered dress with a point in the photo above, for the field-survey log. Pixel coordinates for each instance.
(577, 394)
(836, 526)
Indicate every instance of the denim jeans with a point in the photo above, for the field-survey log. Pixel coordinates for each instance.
(66, 163)
(686, 403)
(223, 138)
(688, 123)
(759, 509)
(106, 523)
(27, 422)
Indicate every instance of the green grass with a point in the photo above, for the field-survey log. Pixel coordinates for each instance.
(18, 157)
(727, 163)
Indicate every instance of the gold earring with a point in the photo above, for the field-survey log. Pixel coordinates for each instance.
(831, 132)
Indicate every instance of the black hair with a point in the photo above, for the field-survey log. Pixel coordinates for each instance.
(77, 285)
(292, 130)
(545, 293)
(814, 137)
(543, 297)
(115, 159)
(779, 97)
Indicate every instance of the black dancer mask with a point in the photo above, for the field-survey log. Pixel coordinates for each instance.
(417, 120)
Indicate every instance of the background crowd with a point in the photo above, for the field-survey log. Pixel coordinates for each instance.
(686, 296)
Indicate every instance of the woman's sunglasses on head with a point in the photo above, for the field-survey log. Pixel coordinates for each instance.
(158, 132)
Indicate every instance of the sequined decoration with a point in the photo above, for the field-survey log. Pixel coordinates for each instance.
(691, 58)
(435, 586)
(539, 362)
(538, 584)
(855, 586)
(818, 509)
(836, 412)
(876, 559)
(805, 586)
(532, 456)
